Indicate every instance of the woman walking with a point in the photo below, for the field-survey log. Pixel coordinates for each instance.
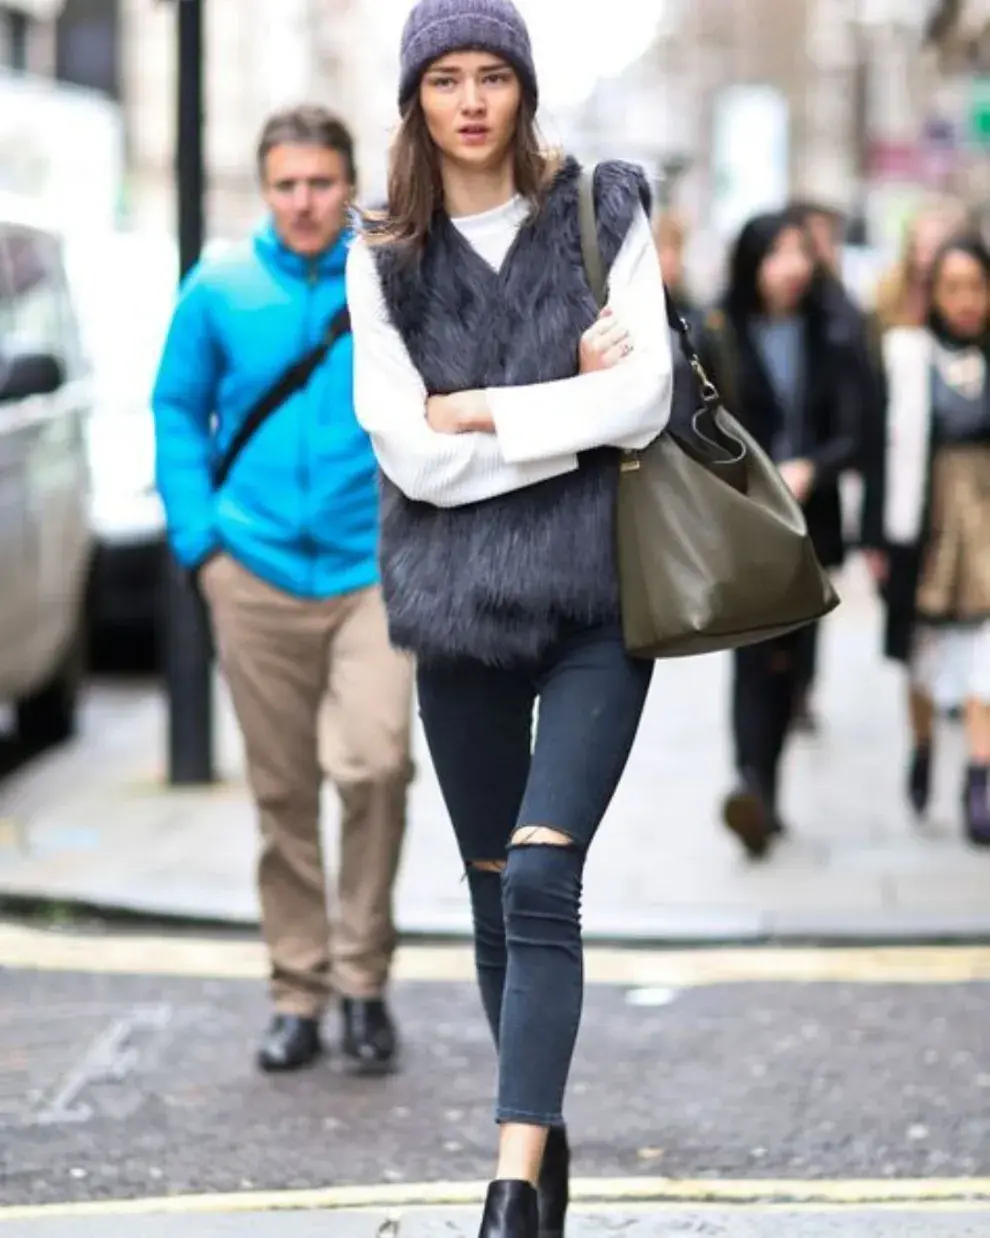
(497, 400)
(936, 514)
(903, 300)
(794, 387)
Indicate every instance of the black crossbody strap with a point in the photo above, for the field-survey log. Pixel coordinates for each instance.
(287, 384)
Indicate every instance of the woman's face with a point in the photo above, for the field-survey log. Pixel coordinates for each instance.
(471, 104)
(671, 255)
(785, 273)
(929, 234)
(961, 294)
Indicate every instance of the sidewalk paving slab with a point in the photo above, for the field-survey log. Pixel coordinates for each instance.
(462, 1223)
(93, 823)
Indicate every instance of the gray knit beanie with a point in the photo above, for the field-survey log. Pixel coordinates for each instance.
(436, 27)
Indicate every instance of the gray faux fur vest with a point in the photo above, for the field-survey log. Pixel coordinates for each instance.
(498, 580)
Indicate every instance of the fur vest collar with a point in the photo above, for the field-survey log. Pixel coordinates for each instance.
(498, 581)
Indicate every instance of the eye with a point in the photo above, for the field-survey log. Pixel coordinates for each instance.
(442, 81)
(498, 77)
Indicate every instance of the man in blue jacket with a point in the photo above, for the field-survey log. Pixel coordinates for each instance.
(282, 542)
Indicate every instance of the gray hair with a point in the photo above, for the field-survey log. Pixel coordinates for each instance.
(307, 125)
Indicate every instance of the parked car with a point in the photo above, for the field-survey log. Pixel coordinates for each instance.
(45, 543)
(124, 287)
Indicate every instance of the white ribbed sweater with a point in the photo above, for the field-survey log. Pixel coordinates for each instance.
(539, 429)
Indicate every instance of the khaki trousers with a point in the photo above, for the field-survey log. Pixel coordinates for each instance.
(297, 668)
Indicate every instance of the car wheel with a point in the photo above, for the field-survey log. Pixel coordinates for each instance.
(49, 715)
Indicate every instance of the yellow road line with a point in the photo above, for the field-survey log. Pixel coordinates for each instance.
(116, 953)
(945, 1194)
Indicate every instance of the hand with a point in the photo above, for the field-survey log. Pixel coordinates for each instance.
(604, 344)
(459, 413)
(799, 477)
(202, 573)
(878, 565)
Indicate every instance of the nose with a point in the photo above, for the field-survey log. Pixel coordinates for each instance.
(302, 197)
(472, 99)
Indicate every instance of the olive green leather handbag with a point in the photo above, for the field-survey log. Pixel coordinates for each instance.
(713, 549)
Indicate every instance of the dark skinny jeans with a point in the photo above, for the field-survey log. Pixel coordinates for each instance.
(496, 781)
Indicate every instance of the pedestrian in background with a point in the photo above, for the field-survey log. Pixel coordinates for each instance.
(792, 385)
(903, 292)
(848, 329)
(670, 234)
(282, 541)
(936, 519)
(902, 300)
(498, 402)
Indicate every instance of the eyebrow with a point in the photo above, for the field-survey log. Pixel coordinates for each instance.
(488, 67)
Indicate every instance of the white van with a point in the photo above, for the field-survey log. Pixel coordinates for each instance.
(45, 543)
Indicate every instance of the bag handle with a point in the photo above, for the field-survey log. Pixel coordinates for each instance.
(598, 279)
(287, 384)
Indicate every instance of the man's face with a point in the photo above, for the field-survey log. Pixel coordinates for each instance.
(308, 190)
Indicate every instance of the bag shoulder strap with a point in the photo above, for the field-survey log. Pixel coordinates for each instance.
(594, 267)
(291, 380)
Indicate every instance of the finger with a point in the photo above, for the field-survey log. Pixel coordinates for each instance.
(619, 352)
(605, 340)
(602, 326)
(613, 337)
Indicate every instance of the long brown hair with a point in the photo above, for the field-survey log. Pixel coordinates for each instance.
(897, 296)
(415, 186)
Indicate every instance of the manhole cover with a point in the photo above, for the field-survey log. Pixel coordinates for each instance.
(71, 1061)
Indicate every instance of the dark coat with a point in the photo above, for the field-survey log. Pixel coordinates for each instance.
(500, 580)
(832, 416)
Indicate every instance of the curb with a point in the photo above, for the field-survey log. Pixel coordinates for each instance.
(239, 958)
(947, 1194)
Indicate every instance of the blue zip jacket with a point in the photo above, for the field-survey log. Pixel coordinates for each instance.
(300, 506)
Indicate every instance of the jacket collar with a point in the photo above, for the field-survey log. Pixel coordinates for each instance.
(273, 250)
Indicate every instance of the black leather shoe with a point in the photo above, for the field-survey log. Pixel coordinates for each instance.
(370, 1044)
(290, 1043)
(555, 1184)
(510, 1211)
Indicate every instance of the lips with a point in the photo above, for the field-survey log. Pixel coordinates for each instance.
(473, 132)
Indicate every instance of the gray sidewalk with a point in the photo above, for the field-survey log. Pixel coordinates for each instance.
(460, 1223)
(94, 824)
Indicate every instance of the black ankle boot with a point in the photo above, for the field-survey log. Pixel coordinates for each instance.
(510, 1211)
(977, 805)
(920, 778)
(555, 1183)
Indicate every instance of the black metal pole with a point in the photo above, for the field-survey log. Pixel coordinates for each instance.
(188, 647)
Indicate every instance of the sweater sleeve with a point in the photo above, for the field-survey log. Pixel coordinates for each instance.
(625, 406)
(446, 470)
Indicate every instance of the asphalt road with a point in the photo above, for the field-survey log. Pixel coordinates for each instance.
(123, 1087)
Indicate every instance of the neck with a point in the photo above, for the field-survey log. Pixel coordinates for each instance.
(470, 191)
